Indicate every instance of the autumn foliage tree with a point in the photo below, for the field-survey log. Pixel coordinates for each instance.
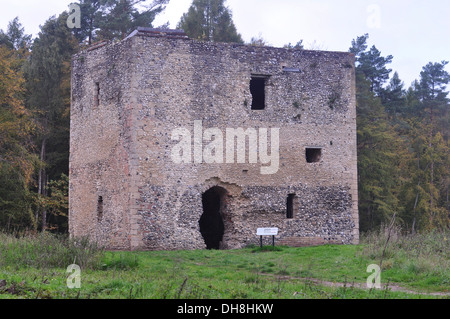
(17, 157)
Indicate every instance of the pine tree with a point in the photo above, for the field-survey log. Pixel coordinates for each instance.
(48, 94)
(210, 20)
(394, 97)
(90, 19)
(433, 94)
(15, 37)
(433, 81)
(371, 63)
(119, 18)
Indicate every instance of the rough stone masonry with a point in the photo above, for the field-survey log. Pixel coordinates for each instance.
(130, 98)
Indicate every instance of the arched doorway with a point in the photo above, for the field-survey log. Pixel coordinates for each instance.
(211, 221)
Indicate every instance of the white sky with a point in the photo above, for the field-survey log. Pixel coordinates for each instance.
(415, 32)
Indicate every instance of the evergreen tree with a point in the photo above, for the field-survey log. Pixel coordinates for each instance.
(394, 97)
(48, 94)
(119, 18)
(210, 20)
(359, 45)
(15, 37)
(90, 19)
(433, 81)
(433, 94)
(371, 64)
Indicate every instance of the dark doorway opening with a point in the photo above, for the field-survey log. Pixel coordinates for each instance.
(257, 89)
(211, 222)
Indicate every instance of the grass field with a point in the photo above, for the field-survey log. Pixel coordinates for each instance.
(35, 267)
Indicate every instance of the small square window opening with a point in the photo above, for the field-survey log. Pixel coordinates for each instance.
(313, 155)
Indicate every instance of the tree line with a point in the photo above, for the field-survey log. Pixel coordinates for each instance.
(403, 150)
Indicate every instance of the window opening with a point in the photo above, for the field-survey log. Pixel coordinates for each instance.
(257, 89)
(313, 155)
(290, 206)
(97, 94)
(100, 208)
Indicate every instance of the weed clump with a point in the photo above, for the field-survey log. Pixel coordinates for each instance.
(46, 250)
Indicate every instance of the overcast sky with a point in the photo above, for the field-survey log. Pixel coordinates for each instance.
(415, 32)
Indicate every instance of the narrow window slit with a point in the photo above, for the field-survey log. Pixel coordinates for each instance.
(100, 208)
(257, 89)
(290, 206)
(97, 94)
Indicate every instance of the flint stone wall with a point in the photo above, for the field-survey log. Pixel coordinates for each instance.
(128, 97)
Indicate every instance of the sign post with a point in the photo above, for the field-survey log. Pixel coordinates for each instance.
(267, 232)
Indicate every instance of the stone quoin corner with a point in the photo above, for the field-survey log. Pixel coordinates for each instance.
(127, 191)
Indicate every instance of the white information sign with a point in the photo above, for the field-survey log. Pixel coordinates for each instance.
(267, 231)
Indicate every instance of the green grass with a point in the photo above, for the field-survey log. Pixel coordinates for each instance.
(420, 261)
(280, 273)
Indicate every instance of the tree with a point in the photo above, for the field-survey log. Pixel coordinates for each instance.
(359, 45)
(210, 20)
(432, 93)
(15, 37)
(425, 194)
(17, 161)
(394, 95)
(379, 156)
(371, 63)
(403, 161)
(57, 202)
(48, 94)
(118, 18)
(90, 18)
(433, 81)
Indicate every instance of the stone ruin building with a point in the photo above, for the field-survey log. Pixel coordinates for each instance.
(182, 144)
